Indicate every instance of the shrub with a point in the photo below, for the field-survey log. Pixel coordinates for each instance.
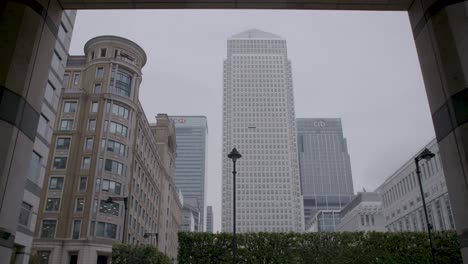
(127, 254)
(329, 248)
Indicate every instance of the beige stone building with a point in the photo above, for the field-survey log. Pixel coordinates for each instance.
(110, 176)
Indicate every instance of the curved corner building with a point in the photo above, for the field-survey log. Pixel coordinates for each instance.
(104, 147)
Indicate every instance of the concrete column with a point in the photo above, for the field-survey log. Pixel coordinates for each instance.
(28, 30)
(440, 29)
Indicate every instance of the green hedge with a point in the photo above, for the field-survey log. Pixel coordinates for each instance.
(127, 254)
(346, 247)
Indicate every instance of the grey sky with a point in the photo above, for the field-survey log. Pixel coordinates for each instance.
(360, 66)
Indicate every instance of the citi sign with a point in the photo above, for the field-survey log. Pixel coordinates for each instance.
(319, 123)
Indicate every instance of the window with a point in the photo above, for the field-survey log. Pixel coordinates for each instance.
(76, 80)
(91, 125)
(106, 207)
(100, 72)
(66, 124)
(69, 107)
(362, 220)
(372, 220)
(25, 214)
(116, 128)
(35, 167)
(86, 163)
(97, 88)
(107, 230)
(94, 107)
(114, 147)
(48, 228)
(43, 126)
(76, 229)
(50, 95)
(79, 204)
(62, 33)
(123, 83)
(60, 163)
(56, 61)
(52, 204)
(82, 184)
(110, 186)
(56, 183)
(114, 167)
(92, 55)
(103, 52)
(121, 111)
(63, 143)
(89, 143)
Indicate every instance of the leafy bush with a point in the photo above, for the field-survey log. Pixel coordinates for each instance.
(329, 248)
(127, 254)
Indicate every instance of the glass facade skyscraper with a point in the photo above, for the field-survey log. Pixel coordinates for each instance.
(209, 219)
(325, 169)
(259, 120)
(191, 140)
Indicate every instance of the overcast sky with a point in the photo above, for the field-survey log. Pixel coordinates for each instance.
(358, 66)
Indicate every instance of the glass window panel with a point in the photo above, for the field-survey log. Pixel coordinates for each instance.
(52, 204)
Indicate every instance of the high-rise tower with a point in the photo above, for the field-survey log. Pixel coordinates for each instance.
(191, 137)
(259, 120)
(326, 179)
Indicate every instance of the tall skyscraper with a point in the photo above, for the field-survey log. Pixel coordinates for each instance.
(259, 120)
(209, 219)
(326, 179)
(191, 136)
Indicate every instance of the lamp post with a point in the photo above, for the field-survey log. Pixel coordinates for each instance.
(426, 155)
(234, 155)
(125, 200)
(146, 235)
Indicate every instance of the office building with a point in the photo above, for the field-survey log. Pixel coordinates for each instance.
(209, 219)
(190, 215)
(26, 221)
(325, 169)
(110, 175)
(363, 213)
(259, 120)
(401, 196)
(191, 134)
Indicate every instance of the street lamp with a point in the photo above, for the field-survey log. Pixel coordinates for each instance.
(426, 155)
(125, 200)
(234, 155)
(146, 235)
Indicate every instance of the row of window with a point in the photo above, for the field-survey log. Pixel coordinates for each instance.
(103, 229)
(410, 181)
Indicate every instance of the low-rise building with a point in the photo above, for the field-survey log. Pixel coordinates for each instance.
(363, 213)
(401, 196)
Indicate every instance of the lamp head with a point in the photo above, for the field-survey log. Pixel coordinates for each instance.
(426, 154)
(234, 155)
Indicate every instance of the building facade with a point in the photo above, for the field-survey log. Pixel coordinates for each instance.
(209, 219)
(259, 120)
(191, 162)
(109, 176)
(35, 176)
(325, 169)
(191, 215)
(401, 196)
(363, 213)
